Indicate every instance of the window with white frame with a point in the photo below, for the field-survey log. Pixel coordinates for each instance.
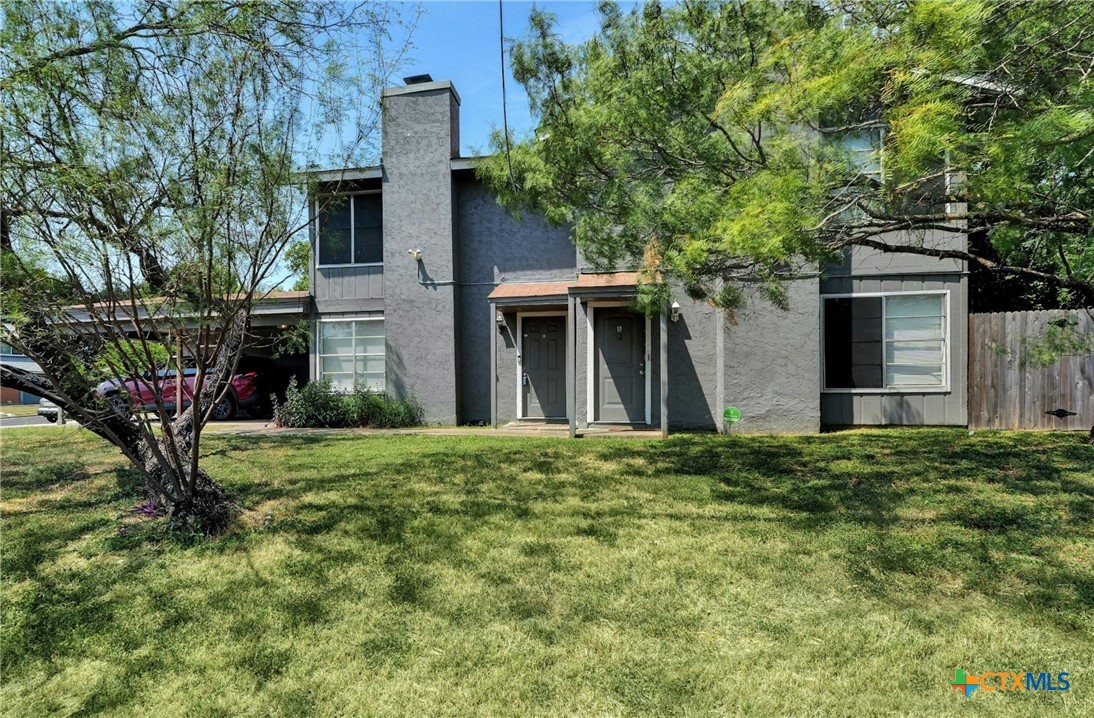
(350, 229)
(351, 353)
(891, 341)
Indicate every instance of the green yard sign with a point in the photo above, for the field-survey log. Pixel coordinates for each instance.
(731, 414)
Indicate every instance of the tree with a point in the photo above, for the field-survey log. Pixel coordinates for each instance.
(150, 183)
(298, 261)
(721, 144)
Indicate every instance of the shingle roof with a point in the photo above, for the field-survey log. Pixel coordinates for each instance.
(521, 290)
(532, 290)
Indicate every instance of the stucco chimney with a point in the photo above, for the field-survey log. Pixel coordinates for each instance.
(421, 135)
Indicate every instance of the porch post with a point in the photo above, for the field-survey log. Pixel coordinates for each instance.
(664, 374)
(571, 368)
(493, 365)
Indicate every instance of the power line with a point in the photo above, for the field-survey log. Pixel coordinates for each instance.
(504, 109)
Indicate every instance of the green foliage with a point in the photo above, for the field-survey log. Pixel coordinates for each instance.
(1063, 337)
(298, 261)
(294, 340)
(121, 358)
(316, 405)
(739, 143)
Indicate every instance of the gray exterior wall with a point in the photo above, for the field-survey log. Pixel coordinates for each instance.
(949, 408)
(440, 323)
(421, 316)
(345, 288)
(494, 247)
(870, 271)
(692, 367)
(772, 363)
(341, 288)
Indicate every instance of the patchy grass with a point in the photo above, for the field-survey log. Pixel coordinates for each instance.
(844, 575)
(19, 410)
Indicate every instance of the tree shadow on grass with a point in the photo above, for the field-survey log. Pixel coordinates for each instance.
(995, 511)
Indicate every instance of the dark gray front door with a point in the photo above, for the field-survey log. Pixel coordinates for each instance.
(544, 353)
(621, 366)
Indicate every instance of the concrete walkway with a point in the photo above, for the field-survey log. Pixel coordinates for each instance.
(264, 427)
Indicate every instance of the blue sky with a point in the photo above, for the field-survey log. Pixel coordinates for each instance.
(458, 41)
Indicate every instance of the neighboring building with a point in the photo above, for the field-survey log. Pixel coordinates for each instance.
(424, 287)
(13, 357)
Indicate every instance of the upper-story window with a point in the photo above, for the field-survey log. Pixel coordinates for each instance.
(865, 148)
(351, 229)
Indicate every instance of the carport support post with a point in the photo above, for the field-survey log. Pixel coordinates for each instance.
(571, 359)
(494, 329)
(664, 382)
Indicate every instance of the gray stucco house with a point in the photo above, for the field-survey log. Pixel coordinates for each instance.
(423, 286)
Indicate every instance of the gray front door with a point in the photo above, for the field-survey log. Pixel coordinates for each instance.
(621, 366)
(543, 386)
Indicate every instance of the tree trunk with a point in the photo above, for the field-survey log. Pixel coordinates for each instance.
(194, 501)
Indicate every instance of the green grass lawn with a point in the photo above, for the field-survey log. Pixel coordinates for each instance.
(19, 409)
(836, 575)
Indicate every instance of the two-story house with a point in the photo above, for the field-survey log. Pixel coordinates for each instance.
(424, 287)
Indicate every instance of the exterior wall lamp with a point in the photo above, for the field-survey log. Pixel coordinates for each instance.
(675, 309)
(415, 254)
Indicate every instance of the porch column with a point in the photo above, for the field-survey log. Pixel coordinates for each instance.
(664, 373)
(571, 367)
(493, 365)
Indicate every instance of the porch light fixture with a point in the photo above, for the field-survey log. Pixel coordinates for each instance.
(675, 311)
(416, 254)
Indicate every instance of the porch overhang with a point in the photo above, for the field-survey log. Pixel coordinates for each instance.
(614, 285)
(576, 299)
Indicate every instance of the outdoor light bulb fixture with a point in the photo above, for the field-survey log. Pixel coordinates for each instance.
(416, 254)
(675, 311)
(499, 318)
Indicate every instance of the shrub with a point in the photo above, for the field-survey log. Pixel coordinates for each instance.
(317, 405)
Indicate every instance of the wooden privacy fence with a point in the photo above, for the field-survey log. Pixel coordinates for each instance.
(1009, 391)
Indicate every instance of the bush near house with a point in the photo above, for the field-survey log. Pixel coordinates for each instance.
(317, 405)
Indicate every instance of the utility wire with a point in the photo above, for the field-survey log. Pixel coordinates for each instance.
(504, 110)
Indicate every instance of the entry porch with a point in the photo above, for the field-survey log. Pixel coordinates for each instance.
(576, 355)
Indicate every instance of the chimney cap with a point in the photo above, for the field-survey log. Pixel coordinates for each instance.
(418, 79)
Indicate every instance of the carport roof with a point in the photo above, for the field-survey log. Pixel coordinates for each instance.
(269, 307)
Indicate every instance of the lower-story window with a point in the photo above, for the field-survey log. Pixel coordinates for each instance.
(892, 341)
(351, 353)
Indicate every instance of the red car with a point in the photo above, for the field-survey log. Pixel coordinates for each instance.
(242, 394)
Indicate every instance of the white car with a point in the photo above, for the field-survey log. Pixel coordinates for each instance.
(48, 409)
